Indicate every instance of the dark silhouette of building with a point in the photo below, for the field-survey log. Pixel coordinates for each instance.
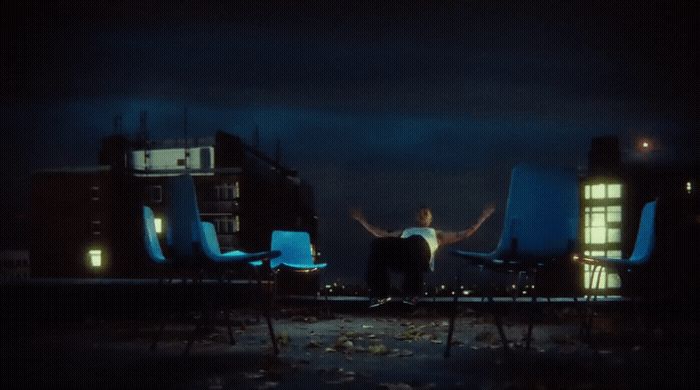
(86, 221)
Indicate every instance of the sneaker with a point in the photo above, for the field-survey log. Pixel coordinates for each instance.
(411, 300)
(376, 302)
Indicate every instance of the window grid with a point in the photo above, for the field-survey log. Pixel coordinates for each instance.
(602, 230)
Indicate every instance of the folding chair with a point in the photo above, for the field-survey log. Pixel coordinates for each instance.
(540, 227)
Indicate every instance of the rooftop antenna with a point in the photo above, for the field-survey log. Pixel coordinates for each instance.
(143, 130)
(187, 146)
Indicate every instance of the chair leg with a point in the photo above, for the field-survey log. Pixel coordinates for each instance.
(594, 299)
(161, 321)
(531, 321)
(227, 313)
(453, 316)
(497, 320)
(587, 306)
(266, 308)
(203, 314)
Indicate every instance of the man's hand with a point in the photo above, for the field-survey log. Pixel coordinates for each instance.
(488, 210)
(357, 215)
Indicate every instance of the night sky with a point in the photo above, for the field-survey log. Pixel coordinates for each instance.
(386, 107)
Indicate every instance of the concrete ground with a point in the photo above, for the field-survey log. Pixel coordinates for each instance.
(366, 349)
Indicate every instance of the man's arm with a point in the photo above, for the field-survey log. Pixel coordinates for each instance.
(447, 238)
(357, 215)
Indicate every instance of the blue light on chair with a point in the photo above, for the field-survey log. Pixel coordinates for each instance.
(295, 249)
(151, 237)
(210, 246)
(540, 226)
(540, 221)
(191, 235)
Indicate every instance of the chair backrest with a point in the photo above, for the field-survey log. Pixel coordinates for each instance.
(644, 244)
(294, 246)
(151, 237)
(183, 218)
(541, 217)
(210, 243)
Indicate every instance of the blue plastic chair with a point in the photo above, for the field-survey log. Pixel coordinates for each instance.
(641, 254)
(643, 246)
(194, 242)
(539, 228)
(193, 239)
(212, 250)
(153, 249)
(295, 249)
(540, 223)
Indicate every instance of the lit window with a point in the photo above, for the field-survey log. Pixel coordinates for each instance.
(95, 257)
(614, 235)
(614, 213)
(598, 253)
(236, 190)
(614, 190)
(159, 225)
(598, 218)
(598, 235)
(614, 281)
(689, 187)
(237, 224)
(598, 191)
(616, 254)
(587, 191)
(588, 235)
(588, 220)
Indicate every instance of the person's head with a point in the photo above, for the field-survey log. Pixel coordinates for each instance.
(424, 217)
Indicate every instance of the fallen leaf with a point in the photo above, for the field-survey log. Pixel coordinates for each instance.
(378, 349)
(395, 386)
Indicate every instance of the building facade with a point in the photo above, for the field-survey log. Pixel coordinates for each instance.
(86, 222)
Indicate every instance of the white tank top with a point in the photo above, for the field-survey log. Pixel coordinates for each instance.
(430, 235)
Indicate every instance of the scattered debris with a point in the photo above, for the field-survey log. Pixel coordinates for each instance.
(283, 339)
(255, 375)
(313, 344)
(308, 320)
(378, 349)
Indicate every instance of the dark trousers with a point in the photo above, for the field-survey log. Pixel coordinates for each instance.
(410, 256)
